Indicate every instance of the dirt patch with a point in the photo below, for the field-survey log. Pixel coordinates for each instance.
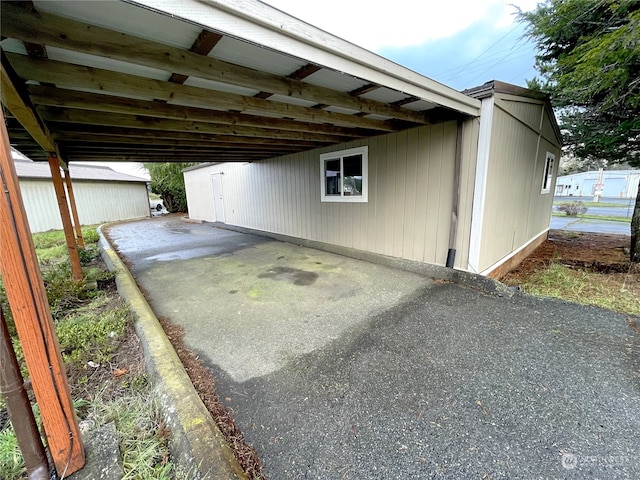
(203, 381)
(595, 252)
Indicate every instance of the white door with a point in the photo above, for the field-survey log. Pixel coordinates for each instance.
(218, 202)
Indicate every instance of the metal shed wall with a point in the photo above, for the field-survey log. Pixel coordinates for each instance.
(617, 183)
(515, 212)
(97, 202)
(408, 214)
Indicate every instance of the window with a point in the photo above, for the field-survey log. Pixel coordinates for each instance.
(344, 175)
(547, 180)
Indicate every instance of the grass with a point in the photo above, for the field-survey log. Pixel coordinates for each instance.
(608, 218)
(94, 327)
(594, 204)
(585, 287)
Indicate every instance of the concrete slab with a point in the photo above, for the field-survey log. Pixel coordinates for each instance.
(434, 381)
(249, 304)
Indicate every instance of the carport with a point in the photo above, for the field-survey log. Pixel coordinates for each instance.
(164, 81)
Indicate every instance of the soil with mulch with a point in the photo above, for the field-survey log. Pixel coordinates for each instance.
(204, 383)
(594, 252)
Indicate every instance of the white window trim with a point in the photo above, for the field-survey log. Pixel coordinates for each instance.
(364, 151)
(547, 172)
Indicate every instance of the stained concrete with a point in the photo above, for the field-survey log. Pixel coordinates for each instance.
(250, 304)
(436, 380)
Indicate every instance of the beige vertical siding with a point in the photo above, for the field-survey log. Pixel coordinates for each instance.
(408, 212)
(200, 187)
(515, 211)
(97, 202)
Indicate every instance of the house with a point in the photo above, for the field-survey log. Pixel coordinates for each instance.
(613, 183)
(480, 185)
(305, 135)
(102, 195)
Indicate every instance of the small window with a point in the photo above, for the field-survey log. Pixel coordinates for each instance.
(547, 180)
(344, 175)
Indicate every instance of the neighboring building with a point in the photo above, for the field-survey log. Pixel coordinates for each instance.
(102, 195)
(395, 194)
(615, 183)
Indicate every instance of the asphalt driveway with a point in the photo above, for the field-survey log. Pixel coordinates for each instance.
(337, 368)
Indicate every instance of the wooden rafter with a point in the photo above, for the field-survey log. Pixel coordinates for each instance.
(57, 31)
(69, 115)
(63, 130)
(56, 97)
(205, 42)
(15, 98)
(77, 76)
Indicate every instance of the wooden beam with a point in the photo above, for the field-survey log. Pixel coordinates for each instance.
(301, 73)
(58, 97)
(127, 85)
(68, 34)
(34, 324)
(221, 157)
(74, 209)
(405, 101)
(205, 42)
(115, 133)
(69, 115)
(16, 100)
(370, 87)
(63, 206)
(77, 76)
(80, 147)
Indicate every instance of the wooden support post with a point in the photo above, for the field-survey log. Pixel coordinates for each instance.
(63, 206)
(74, 209)
(32, 317)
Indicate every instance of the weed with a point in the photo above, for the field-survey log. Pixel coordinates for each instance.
(142, 435)
(581, 286)
(91, 326)
(11, 462)
(89, 335)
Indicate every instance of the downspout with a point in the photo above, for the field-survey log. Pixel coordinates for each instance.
(19, 408)
(453, 229)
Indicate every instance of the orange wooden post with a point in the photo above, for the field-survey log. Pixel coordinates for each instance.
(63, 206)
(74, 210)
(32, 316)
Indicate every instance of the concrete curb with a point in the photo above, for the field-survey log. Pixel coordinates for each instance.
(472, 280)
(197, 445)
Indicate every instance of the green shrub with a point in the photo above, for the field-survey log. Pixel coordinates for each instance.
(572, 208)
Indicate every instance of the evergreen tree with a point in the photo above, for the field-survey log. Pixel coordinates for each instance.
(588, 56)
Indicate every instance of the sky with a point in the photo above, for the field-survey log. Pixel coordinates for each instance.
(460, 43)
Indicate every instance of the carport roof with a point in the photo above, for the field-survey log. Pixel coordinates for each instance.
(197, 80)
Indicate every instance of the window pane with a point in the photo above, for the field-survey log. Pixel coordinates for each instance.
(332, 176)
(353, 175)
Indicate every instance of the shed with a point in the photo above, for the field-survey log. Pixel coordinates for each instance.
(615, 184)
(102, 194)
(481, 185)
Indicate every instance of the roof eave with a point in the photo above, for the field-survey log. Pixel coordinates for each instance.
(266, 26)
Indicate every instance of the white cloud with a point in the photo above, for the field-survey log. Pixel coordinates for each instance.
(399, 23)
